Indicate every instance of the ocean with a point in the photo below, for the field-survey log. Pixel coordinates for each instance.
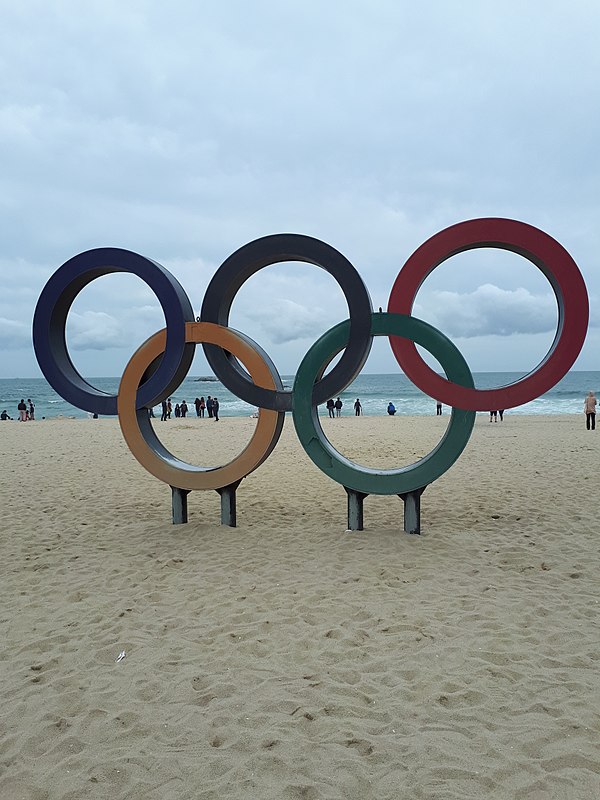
(374, 391)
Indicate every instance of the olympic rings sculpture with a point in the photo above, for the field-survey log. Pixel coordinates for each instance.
(159, 366)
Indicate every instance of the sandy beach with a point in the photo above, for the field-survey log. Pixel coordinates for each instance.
(288, 659)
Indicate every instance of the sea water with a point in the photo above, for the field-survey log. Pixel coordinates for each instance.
(374, 391)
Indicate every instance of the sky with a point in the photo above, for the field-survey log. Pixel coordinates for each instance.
(183, 131)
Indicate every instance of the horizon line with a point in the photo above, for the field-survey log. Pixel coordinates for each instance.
(287, 374)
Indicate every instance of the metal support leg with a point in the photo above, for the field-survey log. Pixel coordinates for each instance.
(228, 510)
(412, 510)
(355, 509)
(179, 500)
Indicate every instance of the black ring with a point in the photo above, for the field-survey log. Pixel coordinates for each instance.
(247, 261)
(53, 307)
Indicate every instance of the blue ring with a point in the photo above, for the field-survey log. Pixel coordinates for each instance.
(49, 323)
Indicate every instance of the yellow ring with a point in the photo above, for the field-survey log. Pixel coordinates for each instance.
(145, 445)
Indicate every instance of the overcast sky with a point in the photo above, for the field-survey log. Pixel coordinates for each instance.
(184, 130)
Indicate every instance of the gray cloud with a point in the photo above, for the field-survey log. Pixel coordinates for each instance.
(182, 135)
(289, 321)
(94, 330)
(14, 333)
(489, 310)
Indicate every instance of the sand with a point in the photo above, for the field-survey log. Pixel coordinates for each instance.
(286, 658)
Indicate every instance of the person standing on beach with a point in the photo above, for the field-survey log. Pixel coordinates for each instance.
(330, 408)
(338, 407)
(589, 407)
(215, 409)
(494, 416)
(164, 410)
(31, 409)
(209, 406)
(357, 408)
(197, 404)
(438, 408)
(202, 407)
(169, 408)
(183, 408)
(501, 413)
(22, 409)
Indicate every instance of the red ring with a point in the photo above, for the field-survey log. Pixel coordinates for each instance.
(536, 246)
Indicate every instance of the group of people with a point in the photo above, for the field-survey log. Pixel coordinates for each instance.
(334, 407)
(26, 411)
(181, 409)
(211, 405)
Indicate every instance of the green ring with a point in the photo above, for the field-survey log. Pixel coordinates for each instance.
(364, 479)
